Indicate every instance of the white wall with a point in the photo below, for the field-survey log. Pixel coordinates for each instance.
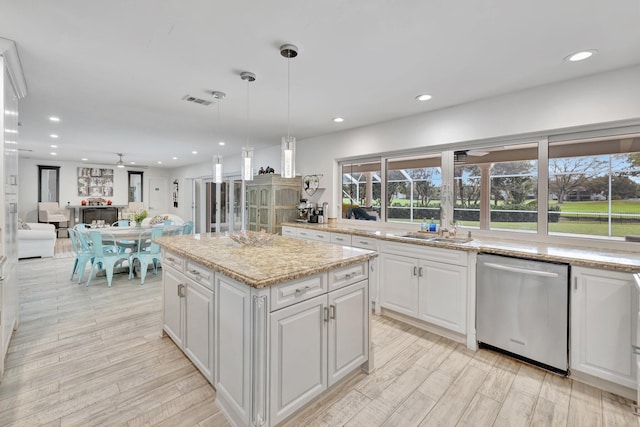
(597, 99)
(28, 185)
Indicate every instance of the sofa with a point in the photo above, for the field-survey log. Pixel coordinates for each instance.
(37, 241)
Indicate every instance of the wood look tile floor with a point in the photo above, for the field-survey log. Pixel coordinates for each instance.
(94, 357)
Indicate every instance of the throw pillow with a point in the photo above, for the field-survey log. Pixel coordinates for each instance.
(156, 220)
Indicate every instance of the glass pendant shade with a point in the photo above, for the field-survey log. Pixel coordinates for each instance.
(217, 169)
(288, 158)
(247, 160)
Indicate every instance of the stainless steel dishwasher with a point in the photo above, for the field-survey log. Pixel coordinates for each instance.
(523, 309)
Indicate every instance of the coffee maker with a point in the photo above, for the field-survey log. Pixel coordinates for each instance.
(305, 209)
(318, 214)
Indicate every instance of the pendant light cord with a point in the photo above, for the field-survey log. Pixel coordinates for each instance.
(248, 127)
(288, 97)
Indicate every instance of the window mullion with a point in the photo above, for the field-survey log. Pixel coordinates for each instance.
(543, 186)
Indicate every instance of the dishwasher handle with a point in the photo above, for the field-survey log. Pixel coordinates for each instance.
(520, 270)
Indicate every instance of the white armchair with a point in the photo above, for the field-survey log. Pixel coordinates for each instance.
(50, 212)
(131, 209)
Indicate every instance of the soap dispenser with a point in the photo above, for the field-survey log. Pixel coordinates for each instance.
(423, 225)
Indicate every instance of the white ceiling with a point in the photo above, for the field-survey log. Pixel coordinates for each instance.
(115, 71)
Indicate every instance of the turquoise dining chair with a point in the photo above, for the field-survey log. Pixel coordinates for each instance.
(148, 252)
(187, 227)
(105, 255)
(83, 255)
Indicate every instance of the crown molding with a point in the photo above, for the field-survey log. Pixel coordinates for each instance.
(9, 52)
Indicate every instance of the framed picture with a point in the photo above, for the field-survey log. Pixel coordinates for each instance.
(95, 182)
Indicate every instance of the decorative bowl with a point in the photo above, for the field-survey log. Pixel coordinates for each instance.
(252, 238)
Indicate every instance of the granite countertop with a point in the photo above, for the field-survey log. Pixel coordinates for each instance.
(280, 261)
(625, 261)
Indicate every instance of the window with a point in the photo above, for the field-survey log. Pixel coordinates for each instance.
(414, 186)
(361, 188)
(48, 183)
(594, 187)
(135, 186)
(497, 188)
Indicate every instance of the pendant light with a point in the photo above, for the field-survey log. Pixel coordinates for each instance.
(247, 152)
(217, 159)
(247, 156)
(288, 158)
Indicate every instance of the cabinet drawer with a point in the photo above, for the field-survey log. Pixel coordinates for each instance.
(365, 243)
(300, 290)
(174, 261)
(341, 239)
(448, 256)
(344, 276)
(289, 232)
(199, 274)
(320, 236)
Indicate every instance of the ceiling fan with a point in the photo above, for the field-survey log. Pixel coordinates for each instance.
(121, 164)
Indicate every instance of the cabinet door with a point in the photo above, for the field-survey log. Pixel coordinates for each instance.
(198, 337)
(348, 330)
(602, 306)
(298, 356)
(442, 295)
(399, 284)
(173, 305)
(264, 210)
(232, 347)
(252, 208)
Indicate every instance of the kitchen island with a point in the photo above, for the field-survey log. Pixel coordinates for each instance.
(271, 327)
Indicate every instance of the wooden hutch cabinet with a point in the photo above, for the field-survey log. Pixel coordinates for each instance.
(272, 200)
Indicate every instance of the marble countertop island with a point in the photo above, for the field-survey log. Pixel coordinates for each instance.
(280, 261)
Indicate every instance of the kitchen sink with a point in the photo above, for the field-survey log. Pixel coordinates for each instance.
(431, 238)
(450, 239)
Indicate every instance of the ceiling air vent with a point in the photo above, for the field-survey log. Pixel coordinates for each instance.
(190, 98)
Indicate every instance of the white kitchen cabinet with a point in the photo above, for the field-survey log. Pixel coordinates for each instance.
(603, 311)
(425, 283)
(314, 344)
(188, 314)
(348, 330)
(199, 327)
(442, 295)
(173, 302)
(289, 231)
(298, 356)
(399, 283)
(233, 351)
(316, 235)
(341, 239)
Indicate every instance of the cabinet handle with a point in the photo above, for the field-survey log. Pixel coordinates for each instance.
(332, 311)
(349, 275)
(195, 272)
(302, 290)
(326, 314)
(181, 292)
(170, 259)
(420, 272)
(415, 271)
(575, 283)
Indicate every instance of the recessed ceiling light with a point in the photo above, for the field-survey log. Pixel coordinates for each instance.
(174, 158)
(132, 163)
(84, 159)
(423, 97)
(53, 146)
(194, 152)
(54, 119)
(10, 113)
(11, 131)
(338, 120)
(221, 143)
(53, 135)
(159, 162)
(579, 56)
(53, 154)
